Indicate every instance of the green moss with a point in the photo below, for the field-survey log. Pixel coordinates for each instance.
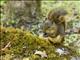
(24, 43)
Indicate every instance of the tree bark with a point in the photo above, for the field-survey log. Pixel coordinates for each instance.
(23, 12)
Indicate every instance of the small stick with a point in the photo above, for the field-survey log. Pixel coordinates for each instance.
(6, 46)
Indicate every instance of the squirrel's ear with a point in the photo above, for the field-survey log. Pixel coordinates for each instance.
(50, 15)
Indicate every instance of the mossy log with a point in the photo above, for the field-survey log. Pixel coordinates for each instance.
(24, 43)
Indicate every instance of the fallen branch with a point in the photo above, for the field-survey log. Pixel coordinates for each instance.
(8, 44)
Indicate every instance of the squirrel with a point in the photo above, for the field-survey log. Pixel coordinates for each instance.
(54, 25)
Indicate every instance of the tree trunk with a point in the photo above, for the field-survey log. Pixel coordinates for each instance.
(24, 13)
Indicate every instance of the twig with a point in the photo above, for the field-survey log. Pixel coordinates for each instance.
(6, 46)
